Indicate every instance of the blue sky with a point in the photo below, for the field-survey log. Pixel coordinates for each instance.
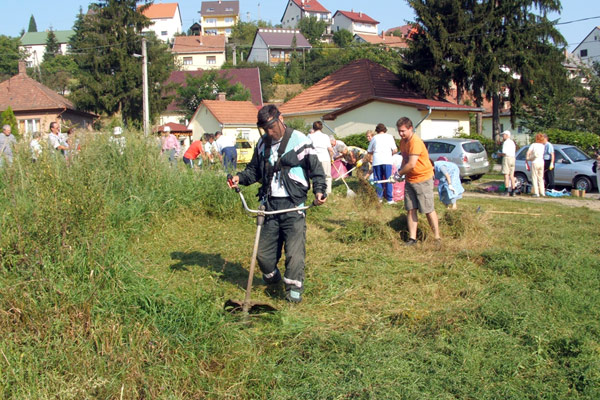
(61, 15)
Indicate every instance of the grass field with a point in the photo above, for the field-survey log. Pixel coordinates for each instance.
(114, 272)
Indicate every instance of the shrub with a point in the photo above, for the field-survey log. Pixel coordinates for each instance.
(358, 140)
(586, 141)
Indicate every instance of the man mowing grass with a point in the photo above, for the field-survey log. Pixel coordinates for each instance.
(418, 192)
(284, 160)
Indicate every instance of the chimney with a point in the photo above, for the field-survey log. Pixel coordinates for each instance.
(22, 68)
(221, 96)
(360, 14)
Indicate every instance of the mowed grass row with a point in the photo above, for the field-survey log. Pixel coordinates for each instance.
(123, 296)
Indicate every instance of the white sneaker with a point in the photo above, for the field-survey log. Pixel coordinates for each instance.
(391, 202)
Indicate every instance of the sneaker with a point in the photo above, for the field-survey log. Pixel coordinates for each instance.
(272, 278)
(391, 202)
(410, 242)
(536, 195)
(512, 193)
(293, 296)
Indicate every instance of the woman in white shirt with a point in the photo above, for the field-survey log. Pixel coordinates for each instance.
(381, 148)
(535, 155)
(322, 145)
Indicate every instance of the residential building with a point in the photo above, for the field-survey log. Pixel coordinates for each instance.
(219, 17)
(166, 19)
(184, 135)
(363, 93)
(273, 46)
(404, 31)
(234, 118)
(36, 106)
(382, 40)
(34, 43)
(355, 22)
(589, 49)
(248, 77)
(295, 10)
(199, 52)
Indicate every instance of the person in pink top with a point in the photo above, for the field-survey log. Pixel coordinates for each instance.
(170, 145)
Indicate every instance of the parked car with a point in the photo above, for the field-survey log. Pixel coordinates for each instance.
(468, 154)
(244, 151)
(572, 167)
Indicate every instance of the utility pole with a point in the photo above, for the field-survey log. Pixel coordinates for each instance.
(234, 54)
(146, 108)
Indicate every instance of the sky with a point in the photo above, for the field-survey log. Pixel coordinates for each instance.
(389, 13)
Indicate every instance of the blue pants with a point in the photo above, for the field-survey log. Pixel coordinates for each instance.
(382, 172)
(188, 162)
(229, 158)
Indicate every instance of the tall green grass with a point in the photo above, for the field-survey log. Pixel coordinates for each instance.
(114, 270)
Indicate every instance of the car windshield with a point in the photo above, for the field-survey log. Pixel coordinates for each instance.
(473, 147)
(243, 145)
(439, 147)
(575, 154)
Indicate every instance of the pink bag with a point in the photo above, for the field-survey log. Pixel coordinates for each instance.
(338, 169)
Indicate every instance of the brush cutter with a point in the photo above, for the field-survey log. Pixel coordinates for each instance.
(392, 179)
(246, 306)
(349, 192)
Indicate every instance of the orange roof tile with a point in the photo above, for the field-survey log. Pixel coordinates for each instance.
(161, 10)
(232, 112)
(199, 44)
(389, 41)
(357, 17)
(22, 93)
(311, 5)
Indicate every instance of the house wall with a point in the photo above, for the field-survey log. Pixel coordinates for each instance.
(219, 25)
(199, 61)
(35, 121)
(35, 53)
(166, 28)
(259, 51)
(291, 16)
(519, 134)
(203, 122)
(165, 118)
(342, 22)
(591, 44)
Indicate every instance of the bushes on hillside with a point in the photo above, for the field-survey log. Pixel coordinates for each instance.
(586, 141)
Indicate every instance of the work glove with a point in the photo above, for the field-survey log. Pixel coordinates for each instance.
(359, 163)
(551, 167)
(398, 178)
(451, 188)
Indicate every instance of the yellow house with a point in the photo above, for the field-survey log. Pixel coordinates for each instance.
(363, 93)
(219, 17)
(234, 118)
(199, 52)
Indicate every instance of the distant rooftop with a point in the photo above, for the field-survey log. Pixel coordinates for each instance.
(33, 38)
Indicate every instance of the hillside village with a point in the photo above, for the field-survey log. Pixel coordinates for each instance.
(274, 64)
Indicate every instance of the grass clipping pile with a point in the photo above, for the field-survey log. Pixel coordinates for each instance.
(365, 222)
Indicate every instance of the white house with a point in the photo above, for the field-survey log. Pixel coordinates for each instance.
(355, 22)
(295, 10)
(34, 43)
(166, 19)
(273, 46)
(199, 52)
(589, 49)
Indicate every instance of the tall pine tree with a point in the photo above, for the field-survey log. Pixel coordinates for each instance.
(32, 24)
(52, 46)
(109, 76)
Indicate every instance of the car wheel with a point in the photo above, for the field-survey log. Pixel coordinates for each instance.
(475, 177)
(521, 179)
(582, 183)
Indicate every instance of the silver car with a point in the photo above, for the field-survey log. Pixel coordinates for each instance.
(468, 154)
(572, 167)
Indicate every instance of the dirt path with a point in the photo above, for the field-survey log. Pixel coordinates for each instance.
(590, 202)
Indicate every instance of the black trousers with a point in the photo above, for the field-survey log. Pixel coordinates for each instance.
(283, 232)
(548, 175)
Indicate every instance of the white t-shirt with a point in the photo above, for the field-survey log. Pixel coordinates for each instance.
(509, 148)
(224, 141)
(382, 146)
(321, 143)
(537, 149)
(277, 188)
(54, 141)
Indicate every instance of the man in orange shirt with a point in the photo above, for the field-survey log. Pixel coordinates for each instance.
(195, 149)
(418, 192)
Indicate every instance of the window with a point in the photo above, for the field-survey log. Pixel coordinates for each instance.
(187, 61)
(439, 147)
(210, 9)
(522, 153)
(211, 20)
(211, 60)
(163, 33)
(575, 154)
(228, 9)
(210, 31)
(228, 31)
(473, 147)
(229, 20)
(29, 125)
(583, 53)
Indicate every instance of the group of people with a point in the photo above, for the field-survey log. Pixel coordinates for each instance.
(284, 162)
(539, 159)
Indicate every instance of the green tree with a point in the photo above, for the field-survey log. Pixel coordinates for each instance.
(109, 76)
(9, 61)
(52, 46)
(267, 75)
(57, 73)
(485, 46)
(312, 29)
(8, 118)
(343, 38)
(206, 87)
(32, 24)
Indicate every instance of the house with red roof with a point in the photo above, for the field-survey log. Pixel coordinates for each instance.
(404, 31)
(363, 93)
(234, 118)
(165, 17)
(295, 10)
(199, 52)
(274, 46)
(389, 41)
(355, 22)
(248, 77)
(35, 106)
